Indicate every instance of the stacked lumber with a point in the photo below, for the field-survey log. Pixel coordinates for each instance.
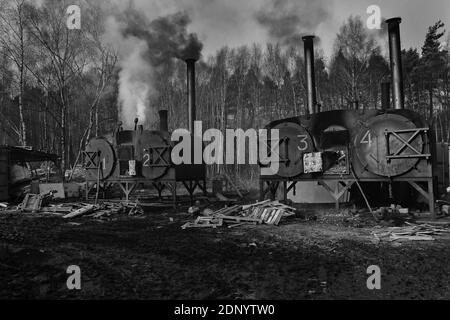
(411, 232)
(265, 212)
(269, 212)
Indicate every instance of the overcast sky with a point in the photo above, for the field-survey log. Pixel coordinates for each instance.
(239, 22)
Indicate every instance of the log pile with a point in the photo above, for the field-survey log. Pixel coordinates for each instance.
(265, 212)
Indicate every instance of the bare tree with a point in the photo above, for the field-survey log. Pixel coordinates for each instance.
(66, 58)
(14, 42)
(354, 45)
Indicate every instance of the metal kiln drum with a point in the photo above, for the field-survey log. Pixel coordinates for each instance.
(106, 159)
(294, 142)
(371, 145)
(153, 151)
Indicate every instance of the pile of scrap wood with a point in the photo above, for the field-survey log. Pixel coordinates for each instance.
(35, 204)
(411, 232)
(265, 212)
(106, 209)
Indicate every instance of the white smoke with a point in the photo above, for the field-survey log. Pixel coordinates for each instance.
(136, 90)
(144, 47)
(135, 87)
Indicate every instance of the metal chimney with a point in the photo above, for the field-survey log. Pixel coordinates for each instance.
(309, 73)
(191, 93)
(395, 54)
(385, 95)
(163, 123)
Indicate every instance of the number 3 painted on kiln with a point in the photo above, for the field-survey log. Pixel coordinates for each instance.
(303, 141)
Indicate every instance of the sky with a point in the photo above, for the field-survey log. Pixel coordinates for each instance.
(242, 22)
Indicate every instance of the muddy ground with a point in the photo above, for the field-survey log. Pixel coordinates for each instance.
(150, 257)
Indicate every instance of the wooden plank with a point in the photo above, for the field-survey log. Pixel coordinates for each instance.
(239, 219)
(265, 214)
(255, 204)
(420, 189)
(236, 225)
(413, 238)
(276, 216)
(79, 212)
(277, 221)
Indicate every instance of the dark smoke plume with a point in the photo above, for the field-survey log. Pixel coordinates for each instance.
(145, 46)
(287, 21)
(167, 37)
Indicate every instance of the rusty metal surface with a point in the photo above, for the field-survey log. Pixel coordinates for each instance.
(294, 142)
(395, 54)
(153, 152)
(372, 149)
(309, 73)
(99, 152)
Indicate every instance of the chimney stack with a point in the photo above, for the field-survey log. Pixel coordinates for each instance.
(385, 95)
(309, 74)
(163, 123)
(190, 63)
(395, 54)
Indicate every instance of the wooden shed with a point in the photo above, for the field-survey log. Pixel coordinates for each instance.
(10, 156)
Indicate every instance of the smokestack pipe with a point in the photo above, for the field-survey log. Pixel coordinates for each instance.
(395, 54)
(309, 73)
(163, 123)
(385, 95)
(191, 93)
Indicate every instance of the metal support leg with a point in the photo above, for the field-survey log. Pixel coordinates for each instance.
(159, 186)
(205, 190)
(337, 204)
(273, 189)
(261, 190)
(429, 194)
(431, 198)
(337, 194)
(173, 189)
(127, 188)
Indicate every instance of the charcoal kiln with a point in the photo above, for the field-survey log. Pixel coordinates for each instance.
(132, 158)
(344, 147)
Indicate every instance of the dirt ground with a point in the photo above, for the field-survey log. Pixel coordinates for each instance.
(151, 257)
